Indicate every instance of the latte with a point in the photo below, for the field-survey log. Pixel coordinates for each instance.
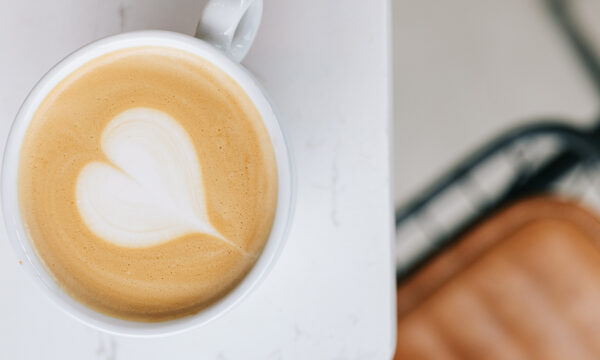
(147, 183)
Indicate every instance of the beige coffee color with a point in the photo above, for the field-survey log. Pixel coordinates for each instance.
(184, 275)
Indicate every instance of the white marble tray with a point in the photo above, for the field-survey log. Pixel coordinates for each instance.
(326, 65)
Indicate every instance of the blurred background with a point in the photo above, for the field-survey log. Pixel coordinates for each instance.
(498, 235)
(465, 70)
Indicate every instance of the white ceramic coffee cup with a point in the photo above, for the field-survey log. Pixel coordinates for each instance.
(227, 29)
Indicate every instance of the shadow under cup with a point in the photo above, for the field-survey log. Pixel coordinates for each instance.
(23, 246)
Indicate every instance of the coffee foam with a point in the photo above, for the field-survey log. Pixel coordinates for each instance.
(147, 183)
(151, 191)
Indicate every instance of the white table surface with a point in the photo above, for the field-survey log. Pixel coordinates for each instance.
(326, 66)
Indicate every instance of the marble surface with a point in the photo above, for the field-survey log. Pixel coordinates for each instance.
(326, 66)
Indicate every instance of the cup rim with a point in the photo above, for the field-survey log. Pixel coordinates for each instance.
(25, 250)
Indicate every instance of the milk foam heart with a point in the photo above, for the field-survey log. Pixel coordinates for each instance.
(151, 189)
(154, 211)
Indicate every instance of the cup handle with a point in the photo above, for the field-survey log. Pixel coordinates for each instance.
(230, 25)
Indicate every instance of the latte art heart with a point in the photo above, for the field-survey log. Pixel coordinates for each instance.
(154, 211)
(151, 189)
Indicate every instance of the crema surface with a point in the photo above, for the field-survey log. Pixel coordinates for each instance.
(148, 183)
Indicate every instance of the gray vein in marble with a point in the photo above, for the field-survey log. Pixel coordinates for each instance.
(275, 355)
(96, 27)
(107, 347)
(122, 16)
(299, 333)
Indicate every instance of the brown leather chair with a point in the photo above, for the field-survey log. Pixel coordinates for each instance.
(523, 285)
